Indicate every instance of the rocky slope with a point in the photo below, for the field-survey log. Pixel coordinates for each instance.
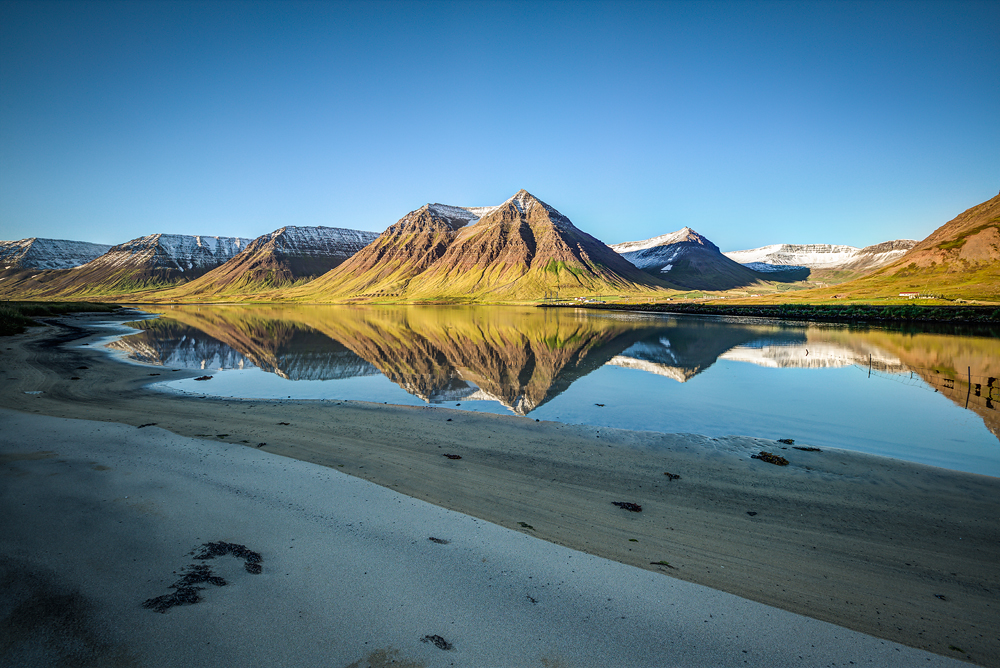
(35, 253)
(523, 248)
(281, 258)
(689, 260)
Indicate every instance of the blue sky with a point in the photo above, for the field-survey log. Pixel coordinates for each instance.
(751, 122)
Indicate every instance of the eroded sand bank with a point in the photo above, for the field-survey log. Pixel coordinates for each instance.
(900, 551)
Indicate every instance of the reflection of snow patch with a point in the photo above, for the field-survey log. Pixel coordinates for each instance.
(667, 268)
(767, 268)
(811, 356)
(678, 374)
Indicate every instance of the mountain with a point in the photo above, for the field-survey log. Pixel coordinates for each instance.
(290, 351)
(35, 253)
(146, 263)
(690, 261)
(959, 260)
(283, 257)
(822, 261)
(521, 249)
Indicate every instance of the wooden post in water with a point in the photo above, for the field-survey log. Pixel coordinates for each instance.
(869, 365)
(969, 391)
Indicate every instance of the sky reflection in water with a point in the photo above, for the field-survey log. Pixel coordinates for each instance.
(871, 390)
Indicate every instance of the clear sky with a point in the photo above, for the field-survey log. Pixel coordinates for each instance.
(752, 122)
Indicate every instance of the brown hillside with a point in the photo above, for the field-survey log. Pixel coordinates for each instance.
(525, 245)
(521, 249)
(386, 266)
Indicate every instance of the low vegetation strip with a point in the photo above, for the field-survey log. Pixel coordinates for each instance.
(822, 312)
(15, 317)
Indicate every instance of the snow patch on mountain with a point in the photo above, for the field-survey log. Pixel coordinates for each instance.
(681, 235)
(320, 241)
(662, 251)
(173, 251)
(821, 256)
(815, 256)
(459, 215)
(35, 253)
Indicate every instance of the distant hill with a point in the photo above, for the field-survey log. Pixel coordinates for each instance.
(960, 259)
(521, 249)
(822, 262)
(149, 262)
(689, 260)
(279, 259)
(35, 253)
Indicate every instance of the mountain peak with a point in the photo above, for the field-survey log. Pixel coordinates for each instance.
(683, 235)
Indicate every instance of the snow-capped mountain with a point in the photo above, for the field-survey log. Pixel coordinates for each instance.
(35, 253)
(180, 252)
(281, 258)
(779, 257)
(689, 260)
(150, 262)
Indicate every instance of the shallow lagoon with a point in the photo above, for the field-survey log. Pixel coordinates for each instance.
(899, 394)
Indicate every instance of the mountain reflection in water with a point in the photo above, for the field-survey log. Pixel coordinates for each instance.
(522, 358)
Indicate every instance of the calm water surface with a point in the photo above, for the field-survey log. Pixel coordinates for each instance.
(900, 394)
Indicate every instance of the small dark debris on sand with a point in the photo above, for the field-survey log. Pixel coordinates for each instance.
(453, 456)
(807, 449)
(284, 423)
(75, 378)
(203, 378)
(251, 559)
(601, 405)
(751, 513)
(663, 563)
(148, 424)
(185, 589)
(625, 505)
(525, 525)
(221, 435)
(941, 596)
(154, 374)
(786, 441)
(77, 368)
(778, 460)
(671, 476)
(448, 420)
(438, 642)
(439, 541)
(261, 445)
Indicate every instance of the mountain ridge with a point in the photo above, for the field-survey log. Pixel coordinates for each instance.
(41, 253)
(280, 258)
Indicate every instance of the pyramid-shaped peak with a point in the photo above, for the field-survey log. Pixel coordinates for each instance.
(523, 200)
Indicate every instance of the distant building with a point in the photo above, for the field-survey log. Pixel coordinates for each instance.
(909, 295)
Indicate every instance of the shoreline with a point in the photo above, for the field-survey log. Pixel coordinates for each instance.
(860, 541)
(861, 314)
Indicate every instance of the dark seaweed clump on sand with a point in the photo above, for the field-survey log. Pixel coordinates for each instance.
(186, 588)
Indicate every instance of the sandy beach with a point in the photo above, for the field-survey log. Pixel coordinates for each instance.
(832, 559)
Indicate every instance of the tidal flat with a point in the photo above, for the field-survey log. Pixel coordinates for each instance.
(898, 550)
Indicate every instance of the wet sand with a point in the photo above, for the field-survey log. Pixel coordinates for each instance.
(902, 552)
